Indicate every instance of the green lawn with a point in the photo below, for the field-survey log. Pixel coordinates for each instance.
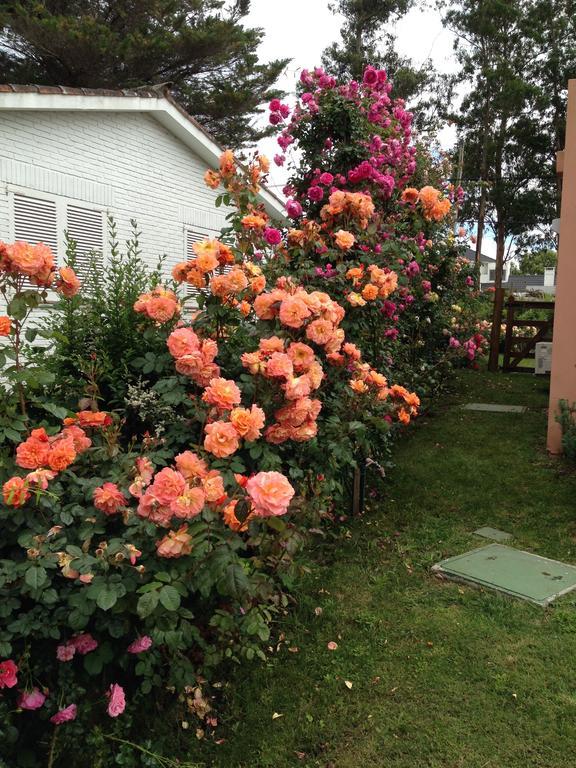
(443, 676)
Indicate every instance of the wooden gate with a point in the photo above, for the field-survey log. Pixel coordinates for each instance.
(522, 347)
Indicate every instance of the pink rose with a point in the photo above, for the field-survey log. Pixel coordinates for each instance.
(84, 643)
(140, 645)
(316, 194)
(326, 179)
(8, 670)
(274, 105)
(33, 699)
(270, 493)
(116, 700)
(293, 209)
(272, 236)
(64, 715)
(65, 652)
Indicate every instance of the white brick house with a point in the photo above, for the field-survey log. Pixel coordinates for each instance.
(71, 156)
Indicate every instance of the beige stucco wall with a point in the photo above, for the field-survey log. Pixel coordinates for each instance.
(563, 375)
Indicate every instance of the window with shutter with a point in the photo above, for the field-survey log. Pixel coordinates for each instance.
(35, 221)
(86, 227)
(192, 237)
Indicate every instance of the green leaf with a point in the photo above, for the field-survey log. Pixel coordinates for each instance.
(35, 576)
(56, 410)
(170, 598)
(147, 604)
(107, 598)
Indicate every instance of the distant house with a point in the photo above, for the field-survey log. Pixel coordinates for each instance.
(71, 156)
(487, 268)
(525, 284)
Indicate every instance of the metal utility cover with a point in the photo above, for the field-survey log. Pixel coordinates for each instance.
(494, 408)
(521, 574)
(493, 533)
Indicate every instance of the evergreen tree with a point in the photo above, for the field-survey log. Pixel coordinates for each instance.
(535, 262)
(367, 39)
(199, 46)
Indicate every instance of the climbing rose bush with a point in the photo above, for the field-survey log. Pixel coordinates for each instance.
(137, 556)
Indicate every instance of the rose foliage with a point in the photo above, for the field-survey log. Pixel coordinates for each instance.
(141, 549)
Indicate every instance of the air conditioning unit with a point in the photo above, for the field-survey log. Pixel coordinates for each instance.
(543, 357)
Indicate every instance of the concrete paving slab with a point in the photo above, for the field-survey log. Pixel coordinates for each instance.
(530, 577)
(493, 533)
(494, 408)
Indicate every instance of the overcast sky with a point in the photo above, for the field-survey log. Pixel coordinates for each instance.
(302, 29)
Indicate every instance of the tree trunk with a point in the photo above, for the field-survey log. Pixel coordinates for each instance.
(498, 297)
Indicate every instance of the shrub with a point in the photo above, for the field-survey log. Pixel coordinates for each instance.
(148, 543)
(567, 420)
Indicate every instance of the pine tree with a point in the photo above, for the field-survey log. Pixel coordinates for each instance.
(199, 46)
(367, 39)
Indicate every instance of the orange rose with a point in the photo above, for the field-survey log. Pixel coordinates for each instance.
(109, 499)
(270, 494)
(68, 283)
(206, 255)
(183, 341)
(302, 356)
(62, 454)
(175, 543)
(252, 221)
(230, 519)
(358, 386)
(5, 325)
(93, 418)
(213, 486)
(344, 239)
(221, 439)
(223, 393)
(15, 492)
(409, 195)
(370, 292)
(32, 453)
(212, 179)
(25, 258)
(248, 423)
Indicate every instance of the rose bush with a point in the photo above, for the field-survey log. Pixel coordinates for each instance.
(148, 540)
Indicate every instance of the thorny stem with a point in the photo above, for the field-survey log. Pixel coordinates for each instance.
(52, 753)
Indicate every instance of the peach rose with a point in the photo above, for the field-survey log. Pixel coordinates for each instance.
(213, 485)
(190, 465)
(293, 312)
(41, 477)
(168, 485)
(270, 493)
(68, 283)
(223, 393)
(270, 345)
(279, 365)
(93, 419)
(356, 300)
(5, 325)
(183, 341)
(175, 543)
(221, 439)
(81, 441)
(162, 308)
(230, 519)
(297, 387)
(358, 386)
(248, 423)
(344, 239)
(320, 331)
(302, 356)
(265, 304)
(206, 255)
(109, 499)
(189, 504)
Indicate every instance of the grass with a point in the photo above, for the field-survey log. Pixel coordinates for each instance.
(443, 676)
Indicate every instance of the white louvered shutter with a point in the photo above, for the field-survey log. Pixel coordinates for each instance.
(35, 221)
(86, 227)
(191, 238)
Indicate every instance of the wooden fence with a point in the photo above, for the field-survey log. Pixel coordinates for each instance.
(519, 347)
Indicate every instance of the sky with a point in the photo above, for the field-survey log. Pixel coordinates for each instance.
(302, 29)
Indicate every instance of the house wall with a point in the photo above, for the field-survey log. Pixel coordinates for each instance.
(563, 373)
(126, 164)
